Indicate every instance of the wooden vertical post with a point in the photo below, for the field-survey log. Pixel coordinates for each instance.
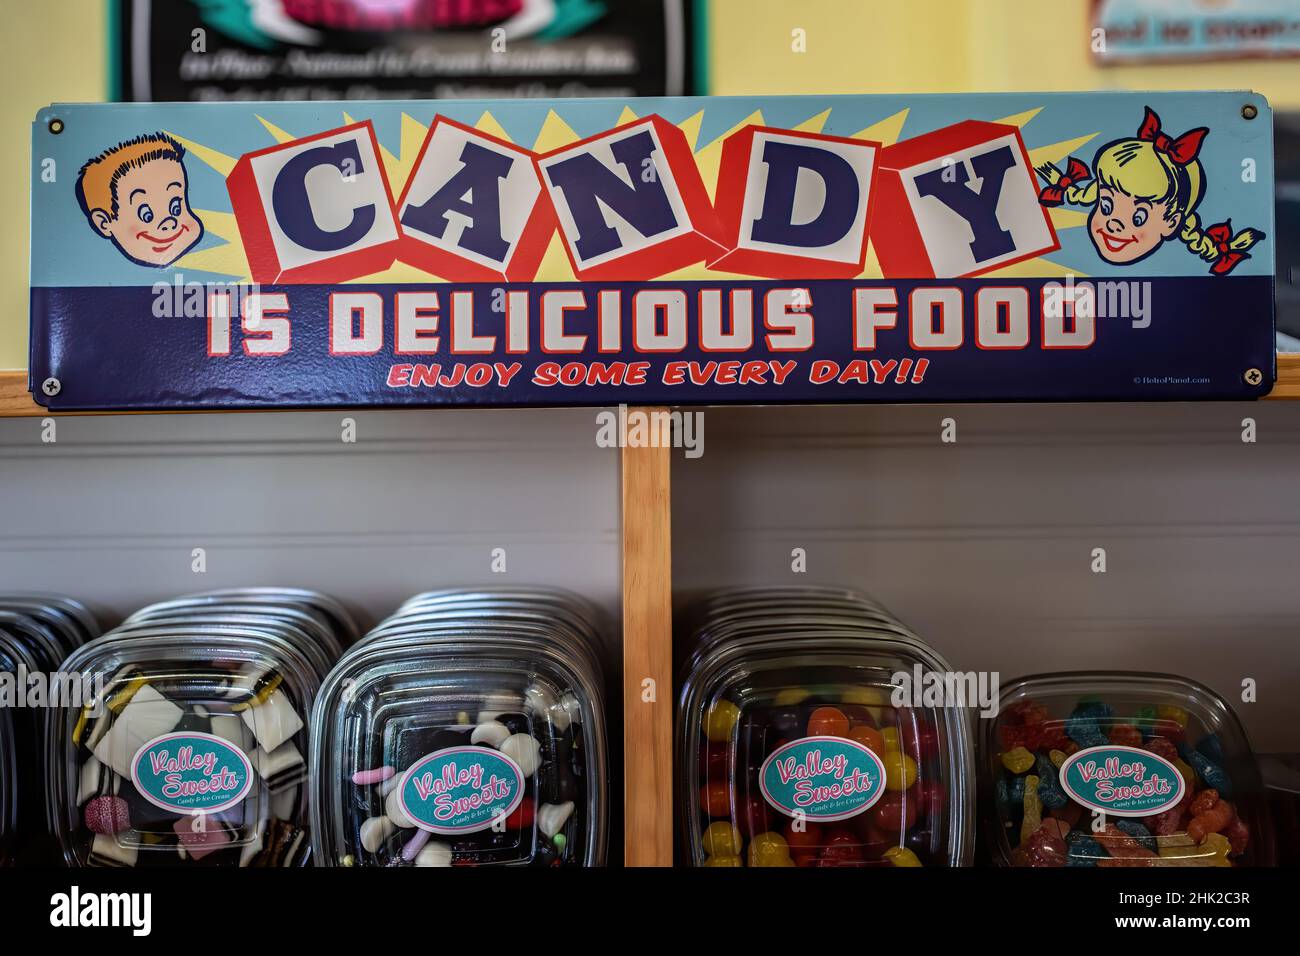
(647, 653)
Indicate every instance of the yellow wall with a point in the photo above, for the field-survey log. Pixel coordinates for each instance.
(54, 50)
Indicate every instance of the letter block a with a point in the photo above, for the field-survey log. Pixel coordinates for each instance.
(473, 208)
(316, 209)
(630, 203)
(795, 204)
(959, 201)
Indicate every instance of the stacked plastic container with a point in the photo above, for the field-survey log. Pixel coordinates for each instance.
(1122, 769)
(467, 729)
(36, 633)
(791, 751)
(191, 748)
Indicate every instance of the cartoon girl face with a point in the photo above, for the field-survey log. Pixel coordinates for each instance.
(154, 224)
(1125, 229)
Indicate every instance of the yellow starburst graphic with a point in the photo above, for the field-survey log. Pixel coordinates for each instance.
(230, 259)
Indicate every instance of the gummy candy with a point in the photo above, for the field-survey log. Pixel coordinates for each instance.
(1049, 786)
(1033, 817)
(901, 856)
(1138, 832)
(1125, 735)
(1209, 815)
(1082, 849)
(1018, 760)
(1211, 774)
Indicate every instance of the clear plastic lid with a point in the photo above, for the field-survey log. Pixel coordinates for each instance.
(1121, 769)
(464, 731)
(189, 749)
(792, 752)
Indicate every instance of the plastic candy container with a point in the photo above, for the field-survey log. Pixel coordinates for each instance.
(791, 751)
(190, 747)
(467, 729)
(36, 633)
(1118, 769)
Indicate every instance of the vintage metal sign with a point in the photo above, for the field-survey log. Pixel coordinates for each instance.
(713, 250)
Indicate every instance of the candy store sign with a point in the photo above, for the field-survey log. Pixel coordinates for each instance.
(822, 778)
(461, 789)
(1122, 781)
(191, 773)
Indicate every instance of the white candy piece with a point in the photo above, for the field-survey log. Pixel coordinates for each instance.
(283, 758)
(563, 713)
(272, 722)
(434, 854)
(88, 783)
(524, 750)
(106, 846)
(374, 831)
(492, 733)
(551, 817)
(148, 715)
(253, 846)
(538, 699)
(393, 809)
(230, 728)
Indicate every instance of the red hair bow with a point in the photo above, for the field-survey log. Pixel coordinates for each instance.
(1181, 150)
(1221, 235)
(1076, 171)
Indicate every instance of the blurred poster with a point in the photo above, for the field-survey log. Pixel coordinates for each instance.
(1170, 30)
(184, 50)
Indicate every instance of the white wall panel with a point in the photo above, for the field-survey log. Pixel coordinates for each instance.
(984, 546)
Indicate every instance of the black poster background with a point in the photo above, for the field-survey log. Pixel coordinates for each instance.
(645, 48)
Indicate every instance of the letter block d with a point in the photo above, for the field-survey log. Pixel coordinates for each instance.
(316, 209)
(958, 202)
(794, 204)
(630, 203)
(473, 208)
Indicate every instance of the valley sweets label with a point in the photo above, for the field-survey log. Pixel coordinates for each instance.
(192, 773)
(1122, 781)
(822, 779)
(461, 789)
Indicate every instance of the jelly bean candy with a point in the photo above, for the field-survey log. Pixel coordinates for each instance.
(1125, 735)
(1018, 760)
(804, 842)
(900, 770)
(1170, 712)
(715, 798)
(901, 856)
(890, 736)
(768, 849)
(869, 737)
(1033, 817)
(875, 699)
(1138, 832)
(1083, 850)
(721, 838)
(720, 720)
(1049, 785)
(1212, 747)
(827, 722)
(1162, 747)
(791, 696)
(1057, 757)
(1209, 816)
(1211, 774)
(723, 861)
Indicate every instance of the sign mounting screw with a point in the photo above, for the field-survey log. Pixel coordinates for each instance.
(1253, 376)
(51, 386)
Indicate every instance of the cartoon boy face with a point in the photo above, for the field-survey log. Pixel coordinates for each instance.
(1125, 229)
(136, 194)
